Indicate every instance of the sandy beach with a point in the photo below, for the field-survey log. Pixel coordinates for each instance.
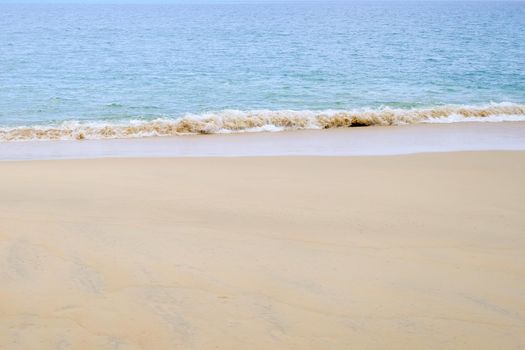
(262, 175)
(399, 252)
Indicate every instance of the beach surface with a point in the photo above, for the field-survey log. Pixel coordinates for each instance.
(364, 141)
(420, 251)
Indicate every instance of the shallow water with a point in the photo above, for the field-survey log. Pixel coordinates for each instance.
(80, 69)
(379, 141)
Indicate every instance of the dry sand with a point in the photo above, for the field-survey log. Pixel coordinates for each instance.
(401, 252)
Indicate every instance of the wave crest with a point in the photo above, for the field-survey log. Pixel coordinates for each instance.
(231, 121)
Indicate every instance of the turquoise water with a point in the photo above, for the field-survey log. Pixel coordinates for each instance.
(122, 65)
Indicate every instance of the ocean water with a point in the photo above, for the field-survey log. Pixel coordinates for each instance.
(109, 71)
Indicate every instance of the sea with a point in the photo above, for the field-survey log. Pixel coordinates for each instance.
(94, 71)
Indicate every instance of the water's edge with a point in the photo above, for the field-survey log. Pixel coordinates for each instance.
(407, 139)
(234, 121)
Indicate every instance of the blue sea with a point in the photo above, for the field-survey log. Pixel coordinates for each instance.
(73, 71)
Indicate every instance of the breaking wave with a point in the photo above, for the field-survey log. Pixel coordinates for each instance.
(232, 121)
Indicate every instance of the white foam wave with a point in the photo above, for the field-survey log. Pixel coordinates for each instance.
(234, 121)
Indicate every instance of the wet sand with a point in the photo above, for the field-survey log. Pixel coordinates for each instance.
(362, 141)
(400, 252)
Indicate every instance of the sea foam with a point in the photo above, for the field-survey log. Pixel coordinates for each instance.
(234, 121)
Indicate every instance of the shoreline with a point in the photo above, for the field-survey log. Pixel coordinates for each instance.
(363, 141)
(305, 253)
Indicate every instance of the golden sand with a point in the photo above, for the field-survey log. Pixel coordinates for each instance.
(405, 252)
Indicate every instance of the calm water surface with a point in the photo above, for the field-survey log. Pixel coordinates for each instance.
(142, 62)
